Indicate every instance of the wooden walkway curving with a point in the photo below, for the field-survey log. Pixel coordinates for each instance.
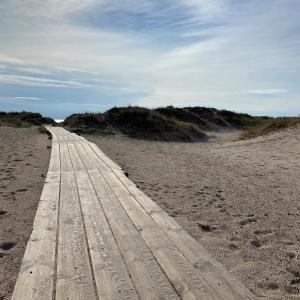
(97, 236)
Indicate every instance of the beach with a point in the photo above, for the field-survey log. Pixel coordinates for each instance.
(24, 163)
(239, 199)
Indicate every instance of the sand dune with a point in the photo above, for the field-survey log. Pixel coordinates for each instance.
(240, 199)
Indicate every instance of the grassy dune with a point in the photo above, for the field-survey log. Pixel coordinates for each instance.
(270, 125)
(165, 123)
(23, 119)
(136, 122)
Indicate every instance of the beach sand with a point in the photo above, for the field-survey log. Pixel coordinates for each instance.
(239, 199)
(24, 160)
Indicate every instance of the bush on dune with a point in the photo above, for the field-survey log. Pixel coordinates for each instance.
(172, 123)
(137, 122)
(141, 122)
(23, 119)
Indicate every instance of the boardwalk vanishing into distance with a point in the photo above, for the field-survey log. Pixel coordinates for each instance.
(97, 236)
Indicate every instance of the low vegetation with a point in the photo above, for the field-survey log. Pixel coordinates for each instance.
(173, 123)
(270, 125)
(164, 123)
(170, 123)
(136, 122)
(23, 119)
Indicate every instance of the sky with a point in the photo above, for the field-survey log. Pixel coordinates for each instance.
(60, 57)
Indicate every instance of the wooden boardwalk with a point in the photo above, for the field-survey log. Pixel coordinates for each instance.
(97, 236)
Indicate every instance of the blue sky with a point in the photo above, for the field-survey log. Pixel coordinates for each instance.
(65, 56)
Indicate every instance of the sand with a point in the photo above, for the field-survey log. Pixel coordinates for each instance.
(24, 160)
(239, 199)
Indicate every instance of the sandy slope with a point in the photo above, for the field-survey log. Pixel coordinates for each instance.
(241, 200)
(24, 158)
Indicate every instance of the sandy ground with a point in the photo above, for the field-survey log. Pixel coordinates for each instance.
(239, 199)
(24, 160)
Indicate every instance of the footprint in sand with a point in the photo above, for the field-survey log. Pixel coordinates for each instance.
(268, 285)
(7, 246)
(291, 255)
(233, 246)
(256, 243)
(292, 290)
(264, 232)
(248, 220)
(3, 212)
(21, 190)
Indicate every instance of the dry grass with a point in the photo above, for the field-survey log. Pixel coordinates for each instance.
(136, 122)
(23, 119)
(270, 125)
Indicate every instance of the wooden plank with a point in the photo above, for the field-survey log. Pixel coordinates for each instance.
(97, 161)
(111, 274)
(213, 272)
(149, 279)
(53, 174)
(111, 164)
(186, 279)
(89, 164)
(74, 274)
(36, 276)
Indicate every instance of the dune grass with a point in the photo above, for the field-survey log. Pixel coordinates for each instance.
(136, 122)
(173, 123)
(23, 119)
(270, 125)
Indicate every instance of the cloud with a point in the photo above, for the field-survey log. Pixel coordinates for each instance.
(42, 82)
(51, 8)
(72, 70)
(84, 104)
(32, 71)
(267, 92)
(6, 59)
(21, 98)
(181, 52)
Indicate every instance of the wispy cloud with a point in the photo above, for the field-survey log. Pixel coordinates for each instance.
(20, 98)
(158, 52)
(268, 92)
(84, 104)
(51, 8)
(31, 71)
(6, 59)
(42, 82)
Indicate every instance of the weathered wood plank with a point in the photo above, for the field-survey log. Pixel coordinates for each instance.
(36, 276)
(53, 174)
(111, 274)
(111, 164)
(183, 275)
(149, 279)
(74, 274)
(96, 159)
(213, 272)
